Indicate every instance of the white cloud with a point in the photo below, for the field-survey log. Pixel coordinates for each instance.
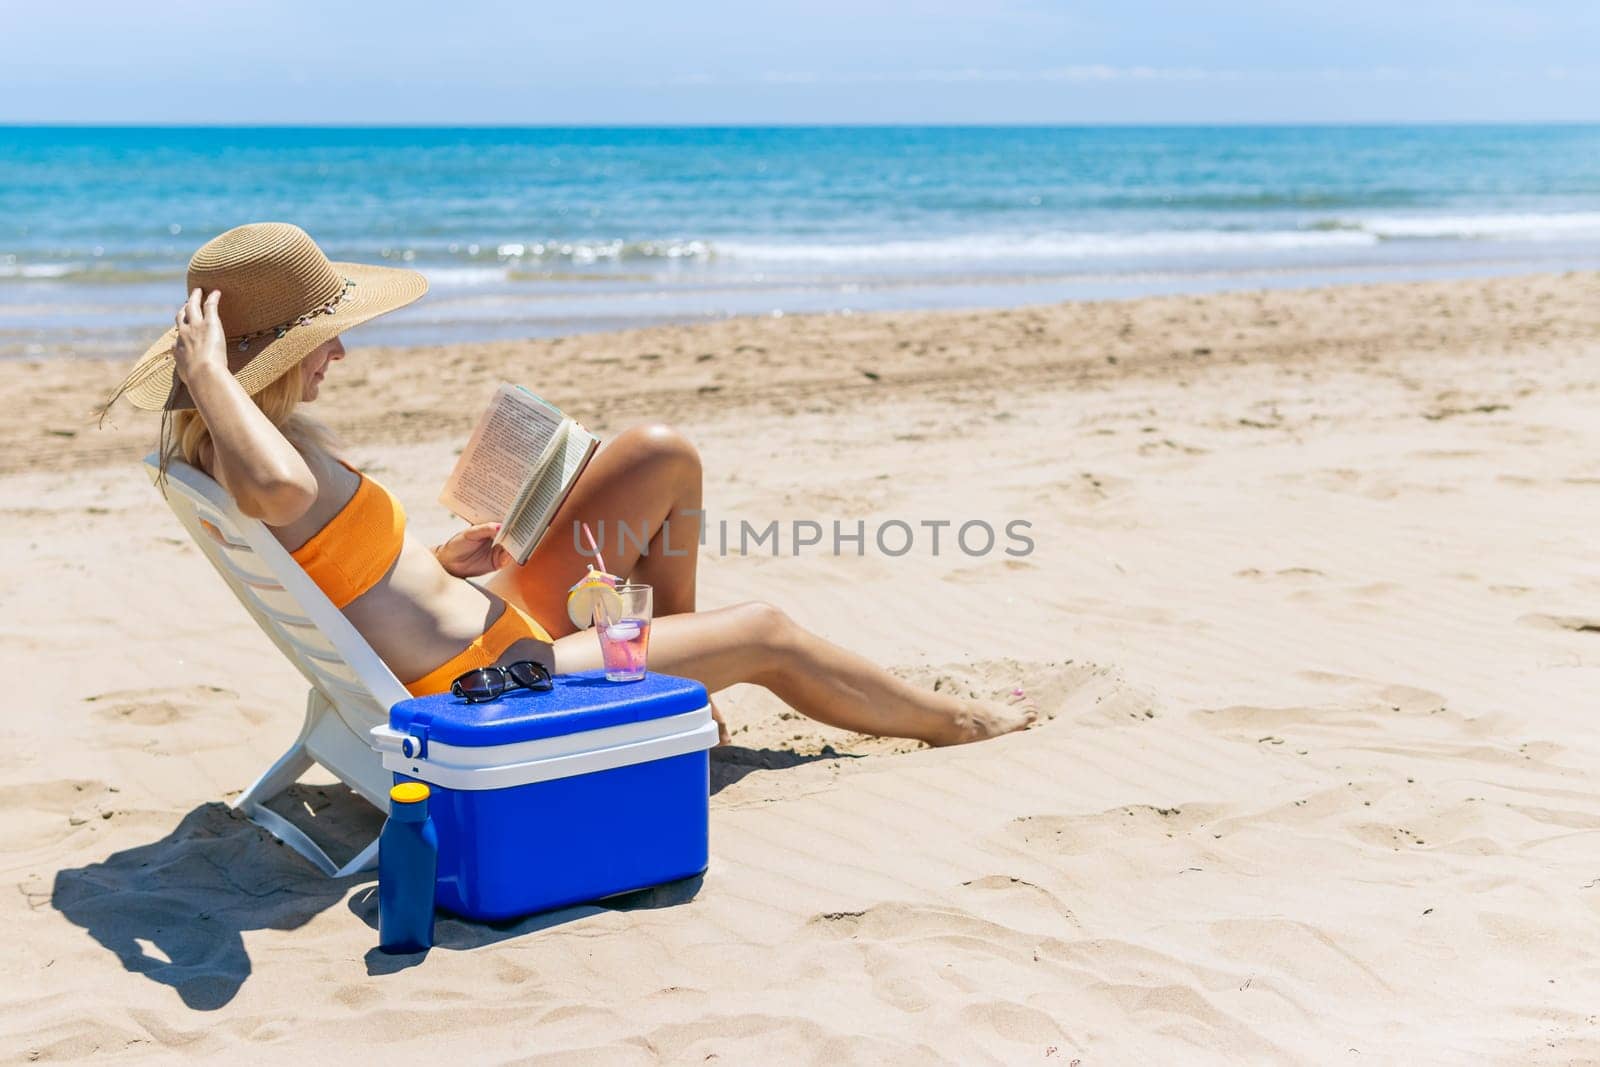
(1098, 73)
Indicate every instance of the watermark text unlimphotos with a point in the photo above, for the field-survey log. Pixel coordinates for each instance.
(792, 537)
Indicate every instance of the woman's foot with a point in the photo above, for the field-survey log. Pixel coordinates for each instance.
(970, 720)
(757, 643)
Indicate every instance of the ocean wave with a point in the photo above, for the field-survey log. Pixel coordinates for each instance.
(39, 270)
(477, 265)
(1065, 246)
(1531, 226)
(1327, 233)
(464, 277)
(580, 253)
(1256, 200)
(101, 273)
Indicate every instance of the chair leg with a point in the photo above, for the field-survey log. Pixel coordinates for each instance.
(365, 860)
(280, 776)
(289, 766)
(291, 835)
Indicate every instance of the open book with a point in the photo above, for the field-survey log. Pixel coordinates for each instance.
(519, 465)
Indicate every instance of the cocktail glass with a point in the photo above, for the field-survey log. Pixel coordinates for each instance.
(625, 639)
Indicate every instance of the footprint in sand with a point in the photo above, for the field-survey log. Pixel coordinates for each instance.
(1065, 688)
(1069, 690)
(1289, 573)
(1110, 829)
(1578, 624)
(904, 922)
(56, 797)
(33, 814)
(1409, 700)
(1020, 898)
(162, 707)
(1406, 699)
(1086, 490)
(988, 572)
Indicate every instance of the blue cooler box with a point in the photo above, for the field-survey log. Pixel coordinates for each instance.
(548, 799)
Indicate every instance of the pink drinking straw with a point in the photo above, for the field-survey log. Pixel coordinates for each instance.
(599, 619)
(589, 535)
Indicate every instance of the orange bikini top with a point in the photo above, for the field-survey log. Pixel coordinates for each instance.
(357, 547)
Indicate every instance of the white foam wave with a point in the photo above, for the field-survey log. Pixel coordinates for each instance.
(1065, 246)
(581, 253)
(464, 276)
(1533, 226)
(1328, 234)
(39, 270)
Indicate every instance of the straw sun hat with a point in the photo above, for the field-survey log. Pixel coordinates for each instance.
(281, 298)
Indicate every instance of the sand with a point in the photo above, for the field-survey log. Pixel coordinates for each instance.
(1313, 612)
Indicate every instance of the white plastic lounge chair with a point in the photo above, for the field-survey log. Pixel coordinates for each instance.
(351, 688)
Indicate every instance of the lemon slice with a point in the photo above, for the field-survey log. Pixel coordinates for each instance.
(592, 593)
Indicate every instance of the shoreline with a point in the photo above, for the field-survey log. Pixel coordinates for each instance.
(109, 320)
(678, 371)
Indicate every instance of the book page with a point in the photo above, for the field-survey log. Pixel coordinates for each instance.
(533, 514)
(494, 467)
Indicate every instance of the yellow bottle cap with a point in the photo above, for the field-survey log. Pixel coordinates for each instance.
(408, 793)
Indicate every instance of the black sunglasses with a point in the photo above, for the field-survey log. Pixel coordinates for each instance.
(486, 683)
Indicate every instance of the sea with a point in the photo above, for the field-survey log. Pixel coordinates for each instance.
(531, 232)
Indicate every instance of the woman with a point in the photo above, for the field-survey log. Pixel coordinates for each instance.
(257, 337)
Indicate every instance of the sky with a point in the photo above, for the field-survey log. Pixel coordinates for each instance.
(686, 62)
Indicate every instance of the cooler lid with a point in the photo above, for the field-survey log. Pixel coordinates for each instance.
(578, 703)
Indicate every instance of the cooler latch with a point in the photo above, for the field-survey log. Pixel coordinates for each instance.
(415, 744)
(412, 743)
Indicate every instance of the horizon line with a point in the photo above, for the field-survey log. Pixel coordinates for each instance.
(24, 124)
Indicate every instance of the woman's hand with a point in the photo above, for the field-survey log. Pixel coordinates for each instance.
(201, 344)
(472, 552)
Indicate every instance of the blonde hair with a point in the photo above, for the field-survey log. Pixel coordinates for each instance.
(184, 434)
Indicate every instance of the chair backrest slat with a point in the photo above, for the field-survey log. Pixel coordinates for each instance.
(337, 684)
(310, 643)
(226, 558)
(213, 525)
(269, 601)
(298, 617)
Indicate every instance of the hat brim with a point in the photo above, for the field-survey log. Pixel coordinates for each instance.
(153, 384)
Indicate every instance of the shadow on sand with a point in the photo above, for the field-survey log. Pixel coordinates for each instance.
(730, 763)
(452, 933)
(175, 910)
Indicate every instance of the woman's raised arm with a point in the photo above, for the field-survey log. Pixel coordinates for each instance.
(266, 475)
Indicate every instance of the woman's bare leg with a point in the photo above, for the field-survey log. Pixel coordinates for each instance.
(757, 643)
(640, 495)
(649, 479)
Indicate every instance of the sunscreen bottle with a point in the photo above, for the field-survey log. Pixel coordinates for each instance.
(408, 863)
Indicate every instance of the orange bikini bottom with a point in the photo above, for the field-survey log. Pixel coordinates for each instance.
(512, 626)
